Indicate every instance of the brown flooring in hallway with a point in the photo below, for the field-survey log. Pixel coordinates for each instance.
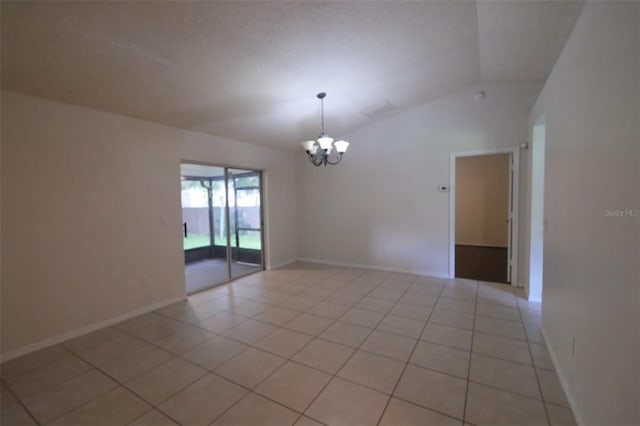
(303, 345)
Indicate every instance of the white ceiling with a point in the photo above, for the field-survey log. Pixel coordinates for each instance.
(250, 70)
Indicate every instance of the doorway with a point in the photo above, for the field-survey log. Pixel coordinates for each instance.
(483, 219)
(221, 224)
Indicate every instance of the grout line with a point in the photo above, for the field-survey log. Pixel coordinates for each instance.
(535, 372)
(399, 379)
(473, 332)
(307, 286)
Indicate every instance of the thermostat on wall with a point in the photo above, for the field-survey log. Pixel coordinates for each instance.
(443, 188)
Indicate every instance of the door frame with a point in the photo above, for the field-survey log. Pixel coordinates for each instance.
(514, 199)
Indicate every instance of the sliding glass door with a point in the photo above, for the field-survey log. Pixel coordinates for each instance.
(221, 224)
(245, 212)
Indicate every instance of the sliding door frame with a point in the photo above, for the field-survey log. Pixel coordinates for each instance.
(261, 174)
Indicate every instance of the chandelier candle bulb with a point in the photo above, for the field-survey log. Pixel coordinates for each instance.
(321, 151)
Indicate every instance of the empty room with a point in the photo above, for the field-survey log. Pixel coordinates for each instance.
(388, 213)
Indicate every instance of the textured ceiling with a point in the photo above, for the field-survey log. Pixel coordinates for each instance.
(250, 70)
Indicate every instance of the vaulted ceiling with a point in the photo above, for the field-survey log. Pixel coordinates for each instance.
(250, 70)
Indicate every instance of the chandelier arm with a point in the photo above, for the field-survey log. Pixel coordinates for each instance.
(333, 163)
(316, 159)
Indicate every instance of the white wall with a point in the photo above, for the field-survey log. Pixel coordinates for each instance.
(482, 200)
(91, 207)
(591, 278)
(380, 207)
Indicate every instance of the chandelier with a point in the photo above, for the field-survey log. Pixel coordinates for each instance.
(324, 150)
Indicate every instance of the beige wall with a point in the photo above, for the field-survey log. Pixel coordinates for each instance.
(384, 194)
(91, 214)
(482, 200)
(591, 279)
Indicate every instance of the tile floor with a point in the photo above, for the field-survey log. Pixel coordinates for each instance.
(303, 345)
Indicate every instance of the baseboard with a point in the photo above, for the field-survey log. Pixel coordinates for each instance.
(375, 267)
(6, 356)
(563, 380)
(281, 264)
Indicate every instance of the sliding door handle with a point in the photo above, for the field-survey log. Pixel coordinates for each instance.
(184, 225)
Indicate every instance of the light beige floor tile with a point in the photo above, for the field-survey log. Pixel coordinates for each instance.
(160, 383)
(250, 367)
(452, 319)
(403, 413)
(6, 398)
(362, 317)
(91, 339)
(388, 293)
(256, 410)
(300, 303)
(186, 339)
(306, 421)
(250, 331)
(400, 325)
(203, 401)
(560, 416)
(374, 371)
(375, 304)
(65, 396)
(346, 334)
(455, 305)
(137, 363)
(441, 358)
(312, 325)
(33, 360)
(345, 298)
(489, 406)
(421, 299)
(118, 406)
(534, 334)
(221, 322)
(153, 418)
(250, 308)
(426, 288)
(541, 357)
(506, 375)
(447, 336)
(316, 293)
(551, 389)
(498, 327)
(466, 294)
(329, 310)
(500, 347)
(409, 310)
(277, 315)
(16, 415)
(498, 311)
(158, 329)
(294, 385)
(213, 353)
(389, 344)
(113, 350)
(37, 379)
(140, 321)
(324, 355)
(335, 405)
(433, 390)
(284, 342)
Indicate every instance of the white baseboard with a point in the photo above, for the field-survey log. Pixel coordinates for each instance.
(563, 381)
(376, 267)
(6, 356)
(281, 264)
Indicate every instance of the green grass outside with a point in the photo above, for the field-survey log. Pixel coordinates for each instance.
(248, 241)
